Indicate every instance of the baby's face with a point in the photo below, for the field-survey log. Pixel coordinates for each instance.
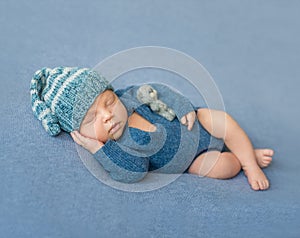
(106, 118)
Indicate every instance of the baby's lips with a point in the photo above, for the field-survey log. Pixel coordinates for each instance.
(115, 127)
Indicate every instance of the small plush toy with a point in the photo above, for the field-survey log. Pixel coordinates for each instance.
(148, 95)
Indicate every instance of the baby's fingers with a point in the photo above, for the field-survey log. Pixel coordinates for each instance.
(183, 120)
(191, 119)
(80, 139)
(76, 137)
(91, 145)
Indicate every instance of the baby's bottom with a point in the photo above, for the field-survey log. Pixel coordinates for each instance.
(216, 164)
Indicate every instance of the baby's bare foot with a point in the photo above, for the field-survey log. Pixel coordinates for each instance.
(264, 157)
(256, 178)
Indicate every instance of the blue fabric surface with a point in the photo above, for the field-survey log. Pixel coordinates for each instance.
(252, 50)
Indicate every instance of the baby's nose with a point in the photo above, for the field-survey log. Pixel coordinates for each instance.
(107, 115)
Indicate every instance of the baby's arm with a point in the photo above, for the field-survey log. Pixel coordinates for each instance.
(121, 166)
(182, 106)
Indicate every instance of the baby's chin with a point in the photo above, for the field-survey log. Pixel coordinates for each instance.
(115, 136)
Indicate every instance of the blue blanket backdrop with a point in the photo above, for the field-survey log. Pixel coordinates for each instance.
(251, 48)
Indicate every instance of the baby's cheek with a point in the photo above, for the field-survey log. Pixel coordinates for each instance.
(99, 132)
(88, 132)
(120, 111)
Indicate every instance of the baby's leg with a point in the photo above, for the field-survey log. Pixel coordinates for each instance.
(214, 164)
(221, 125)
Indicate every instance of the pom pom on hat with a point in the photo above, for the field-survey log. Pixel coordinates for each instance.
(60, 97)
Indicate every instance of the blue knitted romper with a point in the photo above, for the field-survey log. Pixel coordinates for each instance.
(171, 148)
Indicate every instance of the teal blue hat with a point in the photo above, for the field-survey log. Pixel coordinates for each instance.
(60, 97)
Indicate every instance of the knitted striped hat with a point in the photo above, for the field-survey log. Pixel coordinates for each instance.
(60, 97)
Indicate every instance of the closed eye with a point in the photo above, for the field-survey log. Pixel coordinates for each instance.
(111, 100)
(89, 119)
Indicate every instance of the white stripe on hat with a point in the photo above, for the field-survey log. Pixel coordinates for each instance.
(66, 70)
(45, 125)
(43, 113)
(65, 84)
(33, 91)
(35, 104)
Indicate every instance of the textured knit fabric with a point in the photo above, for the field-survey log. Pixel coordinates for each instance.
(171, 148)
(60, 97)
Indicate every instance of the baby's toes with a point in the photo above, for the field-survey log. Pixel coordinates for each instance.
(263, 185)
(255, 185)
(266, 161)
(268, 152)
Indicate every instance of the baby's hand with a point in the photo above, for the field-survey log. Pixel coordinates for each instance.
(189, 119)
(91, 145)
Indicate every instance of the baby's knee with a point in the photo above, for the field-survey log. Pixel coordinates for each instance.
(228, 166)
(232, 164)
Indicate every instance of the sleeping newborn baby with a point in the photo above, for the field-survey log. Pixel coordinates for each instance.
(130, 136)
